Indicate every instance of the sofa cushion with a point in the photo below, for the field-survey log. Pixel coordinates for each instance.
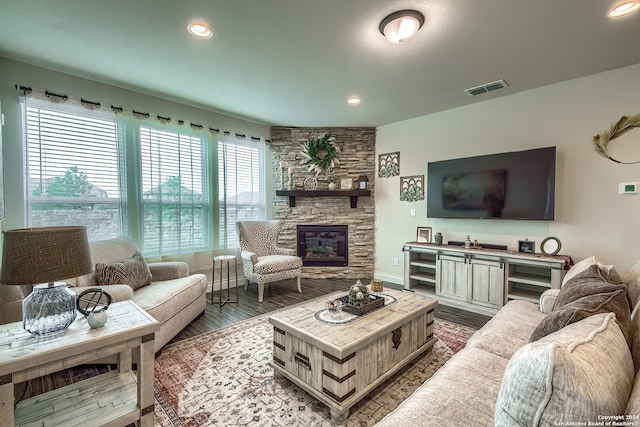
(586, 294)
(133, 272)
(165, 299)
(462, 392)
(573, 375)
(509, 329)
(274, 263)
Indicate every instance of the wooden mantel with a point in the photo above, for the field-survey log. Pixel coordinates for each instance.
(352, 194)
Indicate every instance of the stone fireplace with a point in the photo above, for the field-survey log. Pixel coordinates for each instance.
(357, 157)
(323, 245)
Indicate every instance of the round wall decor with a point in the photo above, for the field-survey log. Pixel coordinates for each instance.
(550, 246)
(320, 154)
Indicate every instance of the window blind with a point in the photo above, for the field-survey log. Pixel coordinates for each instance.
(174, 193)
(241, 186)
(72, 171)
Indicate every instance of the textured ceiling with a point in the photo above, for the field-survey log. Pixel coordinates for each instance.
(295, 62)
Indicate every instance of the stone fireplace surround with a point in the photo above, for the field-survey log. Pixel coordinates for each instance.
(357, 148)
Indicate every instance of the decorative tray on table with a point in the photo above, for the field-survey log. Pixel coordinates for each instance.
(375, 302)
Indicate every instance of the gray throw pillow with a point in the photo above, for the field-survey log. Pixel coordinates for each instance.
(133, 272)
(584, 295)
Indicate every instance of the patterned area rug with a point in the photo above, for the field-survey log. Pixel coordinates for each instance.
(223, 378)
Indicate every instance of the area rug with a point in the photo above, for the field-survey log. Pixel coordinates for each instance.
(223, 378)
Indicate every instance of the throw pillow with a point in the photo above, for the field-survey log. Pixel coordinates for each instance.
(608, 271)
(586, 294)
(133, 272)
(632, 280)
(574, 375)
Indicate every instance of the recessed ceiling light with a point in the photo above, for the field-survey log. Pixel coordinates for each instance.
(200, 30)
(401, 25)
(624, 9)
(353, 100)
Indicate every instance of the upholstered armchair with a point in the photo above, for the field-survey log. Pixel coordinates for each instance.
(262, 260)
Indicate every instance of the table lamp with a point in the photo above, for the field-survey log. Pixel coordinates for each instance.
(39, 256)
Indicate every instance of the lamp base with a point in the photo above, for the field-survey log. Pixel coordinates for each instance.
(49, 309)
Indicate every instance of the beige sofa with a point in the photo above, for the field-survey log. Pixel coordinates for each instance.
(583, 373)
(174, 297)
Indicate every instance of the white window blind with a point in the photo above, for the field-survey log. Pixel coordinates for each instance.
(241, 183)
(174, 192)
(72, 170)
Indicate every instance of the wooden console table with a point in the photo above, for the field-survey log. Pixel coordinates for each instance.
(115, 398)
(351, 194)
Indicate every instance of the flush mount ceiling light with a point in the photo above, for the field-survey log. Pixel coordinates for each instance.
(353, 100)
(401, 25)
(200, 30)
(624, 9)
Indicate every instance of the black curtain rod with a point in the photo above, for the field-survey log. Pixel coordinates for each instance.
(27, 90)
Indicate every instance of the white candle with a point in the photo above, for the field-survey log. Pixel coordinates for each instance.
(281, 164)
(290, 170)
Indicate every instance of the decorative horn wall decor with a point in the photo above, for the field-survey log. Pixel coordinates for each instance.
(601, 141)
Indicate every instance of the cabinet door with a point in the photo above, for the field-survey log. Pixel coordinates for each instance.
(453, 277)
(486, 285)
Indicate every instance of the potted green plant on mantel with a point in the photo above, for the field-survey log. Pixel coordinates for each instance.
(331, 182)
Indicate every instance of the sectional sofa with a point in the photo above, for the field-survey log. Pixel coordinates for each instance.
(571, 360)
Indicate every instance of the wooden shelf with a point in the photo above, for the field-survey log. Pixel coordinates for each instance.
(351, 194)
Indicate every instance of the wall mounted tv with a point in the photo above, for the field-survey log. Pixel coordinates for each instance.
(515, 185)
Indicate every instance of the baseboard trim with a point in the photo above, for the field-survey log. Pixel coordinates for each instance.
(391, 278)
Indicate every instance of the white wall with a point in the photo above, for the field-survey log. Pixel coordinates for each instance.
(590, 217)
(12, 73)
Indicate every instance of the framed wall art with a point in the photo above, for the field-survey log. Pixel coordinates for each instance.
(389, 165)
(411, 188)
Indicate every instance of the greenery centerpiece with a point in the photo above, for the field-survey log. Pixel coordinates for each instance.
(358, 294)
(320, 155)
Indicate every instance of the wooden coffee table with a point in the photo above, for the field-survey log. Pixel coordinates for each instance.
(339, 364)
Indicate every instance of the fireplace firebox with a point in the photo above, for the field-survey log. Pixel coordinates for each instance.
(323, 245)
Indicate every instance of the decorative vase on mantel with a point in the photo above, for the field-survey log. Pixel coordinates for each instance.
(331, 182)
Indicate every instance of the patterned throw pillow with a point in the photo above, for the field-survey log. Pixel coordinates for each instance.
(133, 272)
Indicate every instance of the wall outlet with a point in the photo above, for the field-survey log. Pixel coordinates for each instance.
(413, 212)
(396, 261)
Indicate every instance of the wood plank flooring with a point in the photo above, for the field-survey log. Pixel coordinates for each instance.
(284, 294)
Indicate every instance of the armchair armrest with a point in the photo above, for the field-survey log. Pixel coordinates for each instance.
(168, 270)
(251, 257)
(548, 299)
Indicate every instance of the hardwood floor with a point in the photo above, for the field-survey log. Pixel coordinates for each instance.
(284, 294)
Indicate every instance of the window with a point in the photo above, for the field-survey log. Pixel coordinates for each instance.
(178, 189)
(72, 172)
(174, 193)
(241, 186)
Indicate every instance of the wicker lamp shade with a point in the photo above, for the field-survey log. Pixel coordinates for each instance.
(45, 254)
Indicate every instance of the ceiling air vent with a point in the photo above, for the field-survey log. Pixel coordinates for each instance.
(487, 87)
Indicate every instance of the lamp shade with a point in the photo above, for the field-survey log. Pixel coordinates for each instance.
(45, 254)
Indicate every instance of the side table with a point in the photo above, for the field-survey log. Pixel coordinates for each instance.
(224, 259)
(115, 398)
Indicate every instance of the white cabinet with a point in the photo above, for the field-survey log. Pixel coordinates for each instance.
(479, 280)
(453, 277)
(486, 284)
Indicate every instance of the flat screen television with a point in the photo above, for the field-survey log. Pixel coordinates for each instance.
(515, 185)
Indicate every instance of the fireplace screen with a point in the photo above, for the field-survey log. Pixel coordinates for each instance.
(323, 245)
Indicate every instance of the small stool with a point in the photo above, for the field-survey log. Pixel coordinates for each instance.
(222, 259)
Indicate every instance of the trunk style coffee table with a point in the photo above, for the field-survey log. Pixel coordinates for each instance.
(339, 361)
